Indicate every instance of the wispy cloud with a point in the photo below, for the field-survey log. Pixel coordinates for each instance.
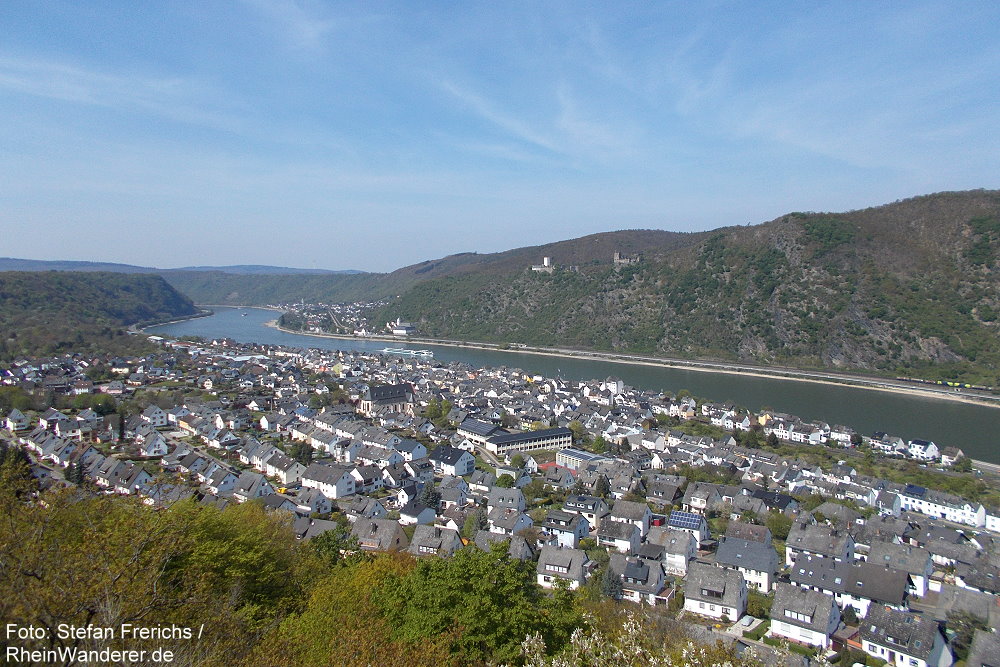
(301, 22)
(177, 98)
(506, 121)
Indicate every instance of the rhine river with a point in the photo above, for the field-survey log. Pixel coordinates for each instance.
(974, 428)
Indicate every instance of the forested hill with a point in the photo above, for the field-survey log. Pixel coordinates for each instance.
(57, 311)
(907, 288)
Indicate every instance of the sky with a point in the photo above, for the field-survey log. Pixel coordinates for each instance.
(376, 135)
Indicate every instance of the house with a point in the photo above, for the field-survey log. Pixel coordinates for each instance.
(701, 498)
(592, 508)
(153, 444)
(859, 585)
(16, 421)
(914, 561)
(508, 521)
(568, 528)
(632, 512)
(251, 485)
(506, 499)
(556, 562)
(221, 482)
(333, 481)
(642, 581)
(748, 531)
(517, 547)
(818, 540)
(674, 548)
(942, 505)
(287, 470)
(379, 535)
(758, 562)
(984, 650)
(803, 616)
(154, 416)
(362, 507)
(434, 541)
(715, 592)
(415, 513)
(452, 461)
(922, 450)
(691, 523)
(312, 501)
(904, 639)
(619, 535)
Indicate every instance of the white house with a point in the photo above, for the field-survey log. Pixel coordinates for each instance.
(803, 616)
(904, 639)
(333, 481)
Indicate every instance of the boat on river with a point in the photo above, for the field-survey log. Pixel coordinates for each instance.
(427, 354)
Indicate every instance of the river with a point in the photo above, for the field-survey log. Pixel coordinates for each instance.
(973, 428)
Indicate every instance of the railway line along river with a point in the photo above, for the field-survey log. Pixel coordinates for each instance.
(973, 427)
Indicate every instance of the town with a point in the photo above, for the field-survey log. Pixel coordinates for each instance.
(764, 530)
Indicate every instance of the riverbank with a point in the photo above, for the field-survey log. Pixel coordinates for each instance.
(813, 377)
(201, 313)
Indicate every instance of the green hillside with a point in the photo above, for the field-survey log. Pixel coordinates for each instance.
(908, 288)
(56, 311)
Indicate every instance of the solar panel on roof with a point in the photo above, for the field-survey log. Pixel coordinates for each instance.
(680, 519)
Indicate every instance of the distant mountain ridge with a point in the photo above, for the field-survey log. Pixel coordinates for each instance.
(909, 288)
(16, 264)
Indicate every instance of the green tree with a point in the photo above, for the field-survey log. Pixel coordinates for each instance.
(758, 604)
(487, 601)
(602, 487)
(963, 625)
(475, 522)
(430, 496)
(505, 481)
(611, 584)
(517, 461)
(779, 524)
(335, 545)
(578, 430)
(600, 445)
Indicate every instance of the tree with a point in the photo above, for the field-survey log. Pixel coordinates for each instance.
(578, 430)
(600, 445)
(302, 452)
(772, 440)
(611, 584)
(475, 522)
(849, 615)
(779, 524)
(602, 487)
(758, 604)
(430, 496)
(336, 545)
(484, 600)
(964, 626)
(517, 461)
(505, 481)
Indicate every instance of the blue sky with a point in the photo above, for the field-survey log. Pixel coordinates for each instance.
(376, 135)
